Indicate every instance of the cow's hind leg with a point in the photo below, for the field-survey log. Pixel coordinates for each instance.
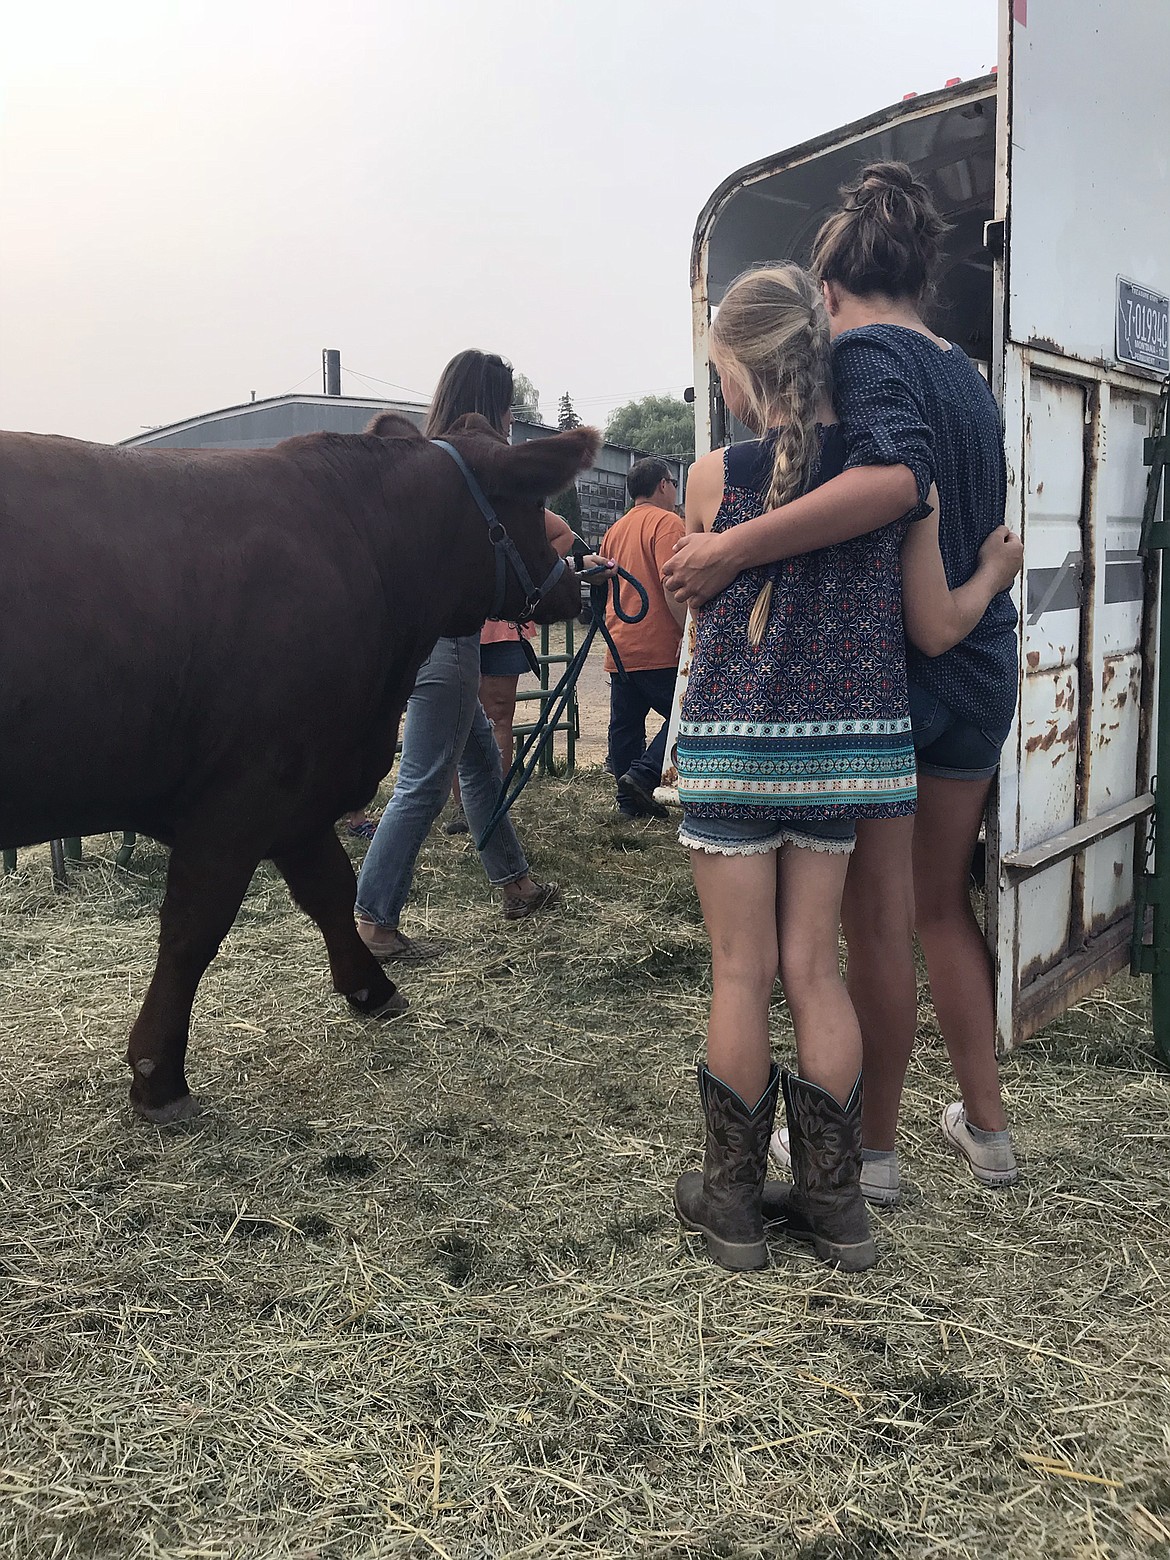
(206, 885)
(320, 878)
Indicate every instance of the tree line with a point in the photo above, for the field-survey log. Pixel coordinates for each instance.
(654, 425)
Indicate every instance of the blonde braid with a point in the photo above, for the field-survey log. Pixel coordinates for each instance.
(772, 333)
(795, 455)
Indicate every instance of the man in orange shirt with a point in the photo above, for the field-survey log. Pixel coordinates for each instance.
(641, 542)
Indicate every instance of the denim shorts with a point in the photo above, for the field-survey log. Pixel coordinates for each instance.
(771, 830)
(503, 658)
(949, 747)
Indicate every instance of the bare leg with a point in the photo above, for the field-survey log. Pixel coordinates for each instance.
(877, 912)
(498, 697)
(206, 884)
(957, 957)
(321, 880)
(738, 896)
(808, 911)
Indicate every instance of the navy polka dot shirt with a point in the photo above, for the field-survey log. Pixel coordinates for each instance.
(903, 401)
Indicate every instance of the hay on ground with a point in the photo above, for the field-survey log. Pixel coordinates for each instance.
(416, 1289)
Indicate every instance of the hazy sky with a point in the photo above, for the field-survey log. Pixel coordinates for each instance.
(197, 196)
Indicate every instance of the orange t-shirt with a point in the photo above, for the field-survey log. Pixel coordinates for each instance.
(641, 542)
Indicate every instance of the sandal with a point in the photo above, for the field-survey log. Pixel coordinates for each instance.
(518, 906)
(386, 943)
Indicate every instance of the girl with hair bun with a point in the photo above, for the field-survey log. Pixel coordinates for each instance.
(915, 414)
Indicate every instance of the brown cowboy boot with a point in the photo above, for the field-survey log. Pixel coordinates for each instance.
(824, 1204)
(721, 1202)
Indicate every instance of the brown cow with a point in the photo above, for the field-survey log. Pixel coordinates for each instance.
(214, 648)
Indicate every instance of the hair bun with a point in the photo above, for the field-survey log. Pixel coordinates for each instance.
(887, 176)
(880, 180)
(886, 237)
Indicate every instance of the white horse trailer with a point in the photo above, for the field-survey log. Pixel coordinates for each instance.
(1053, 172)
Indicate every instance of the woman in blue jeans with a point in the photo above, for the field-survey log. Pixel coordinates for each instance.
(446, 731)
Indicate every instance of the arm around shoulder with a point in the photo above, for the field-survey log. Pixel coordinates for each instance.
(861, 499)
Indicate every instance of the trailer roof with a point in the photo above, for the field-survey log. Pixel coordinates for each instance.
(900, 131)
(771, 210)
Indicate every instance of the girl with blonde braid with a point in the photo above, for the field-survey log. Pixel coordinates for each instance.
(795, 724)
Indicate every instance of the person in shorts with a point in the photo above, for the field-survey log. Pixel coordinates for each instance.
(914, 412)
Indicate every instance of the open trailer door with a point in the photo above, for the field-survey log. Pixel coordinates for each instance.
(1082, 237)
(1062, 157)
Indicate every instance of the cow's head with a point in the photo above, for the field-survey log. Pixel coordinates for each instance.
(515, 480)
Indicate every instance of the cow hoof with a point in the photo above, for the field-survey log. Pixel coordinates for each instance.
(394, 1006)
(182, 1109)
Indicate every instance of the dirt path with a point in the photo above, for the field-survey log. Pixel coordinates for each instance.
(592, 699)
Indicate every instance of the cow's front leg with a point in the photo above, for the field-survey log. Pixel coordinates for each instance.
(320, 878)
(206, 885)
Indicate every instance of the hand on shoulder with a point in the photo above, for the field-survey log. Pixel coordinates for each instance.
(698, 568)
(1002, 555)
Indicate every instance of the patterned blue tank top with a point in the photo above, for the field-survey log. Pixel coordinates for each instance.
(814, 723)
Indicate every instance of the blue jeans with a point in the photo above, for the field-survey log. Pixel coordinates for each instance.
(629, 704)
(445, 728)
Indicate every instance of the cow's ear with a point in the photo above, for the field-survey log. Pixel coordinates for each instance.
(540, 467)
(474, 422)
(393, 425)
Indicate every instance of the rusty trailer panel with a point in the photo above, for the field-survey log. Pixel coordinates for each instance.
(1075, 786)
(1077, 795)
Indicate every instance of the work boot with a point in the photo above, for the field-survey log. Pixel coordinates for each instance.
(721, 1202)
(635, 800)
(824, 1204)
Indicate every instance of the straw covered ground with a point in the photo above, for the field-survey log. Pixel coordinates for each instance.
(416, 1289)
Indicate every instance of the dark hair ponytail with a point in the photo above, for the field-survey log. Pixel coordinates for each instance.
(471, 382)
(886, 237)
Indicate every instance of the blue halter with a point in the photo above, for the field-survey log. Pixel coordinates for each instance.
(504, 547)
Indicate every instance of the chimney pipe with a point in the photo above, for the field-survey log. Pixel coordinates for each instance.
(331, 370)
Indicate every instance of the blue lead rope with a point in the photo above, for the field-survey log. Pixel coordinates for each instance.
(528, 753)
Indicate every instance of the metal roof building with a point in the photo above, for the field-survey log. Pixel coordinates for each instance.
(257, 425)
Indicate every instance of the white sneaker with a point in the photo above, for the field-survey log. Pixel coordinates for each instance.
(881, 1179)
(992, 1164)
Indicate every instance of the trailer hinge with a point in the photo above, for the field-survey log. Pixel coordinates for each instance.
(1152, 890)
(1155, 535)
(1149, 960)
(994, 239)
(1146, 892)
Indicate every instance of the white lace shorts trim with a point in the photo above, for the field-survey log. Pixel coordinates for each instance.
(777, 841)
